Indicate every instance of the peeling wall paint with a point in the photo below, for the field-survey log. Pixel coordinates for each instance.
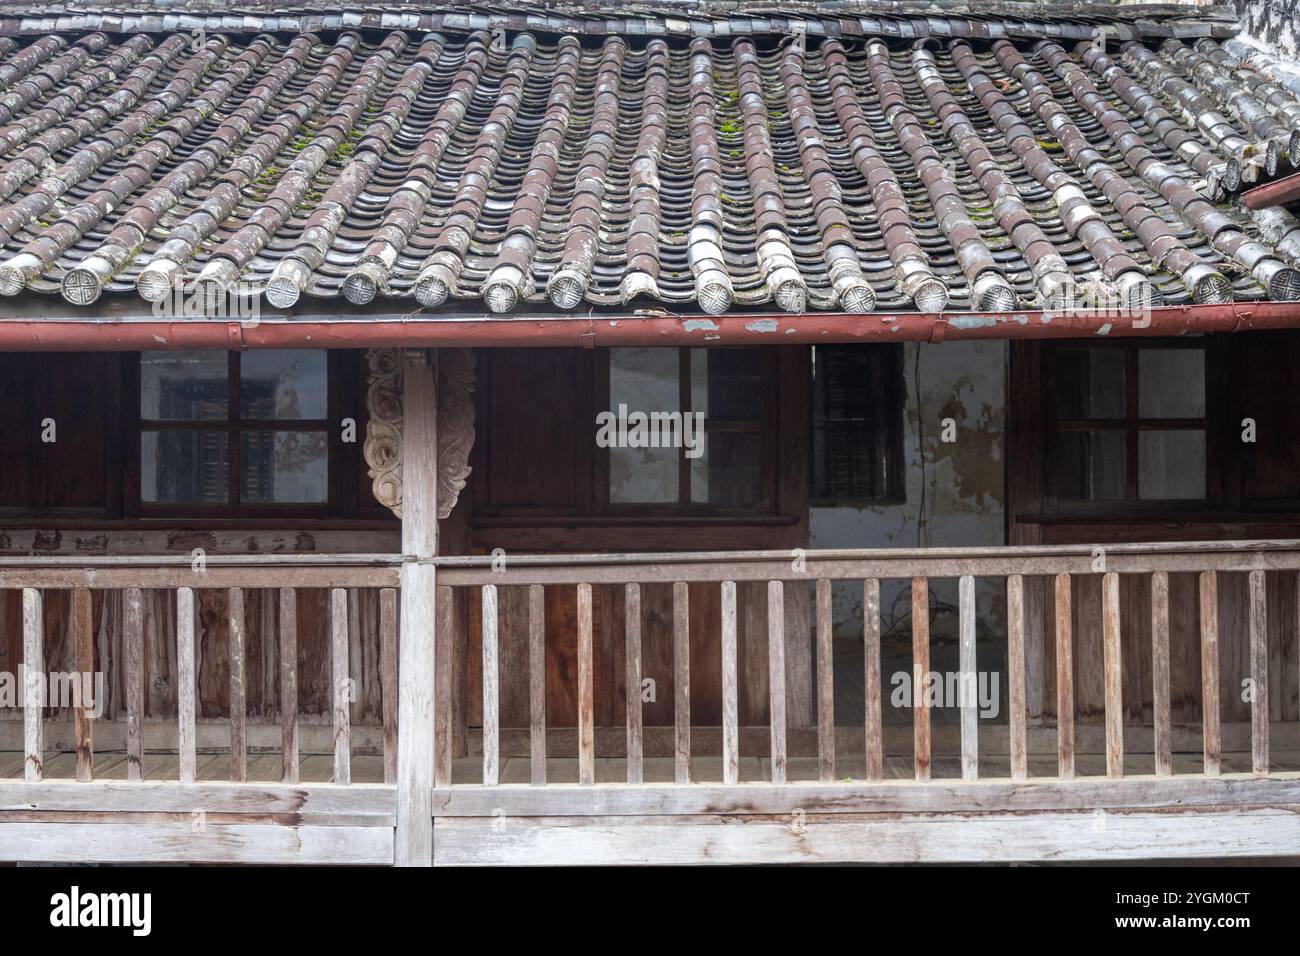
(962, 485)
(1274, 24)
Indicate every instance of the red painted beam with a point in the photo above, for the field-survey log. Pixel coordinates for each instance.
(108, 335)
(1277, 193)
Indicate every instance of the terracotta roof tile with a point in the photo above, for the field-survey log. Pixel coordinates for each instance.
(639, 162)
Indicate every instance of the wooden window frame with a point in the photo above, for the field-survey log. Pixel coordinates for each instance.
(341, 479)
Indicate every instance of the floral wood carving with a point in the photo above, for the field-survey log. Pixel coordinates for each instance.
(383, 446)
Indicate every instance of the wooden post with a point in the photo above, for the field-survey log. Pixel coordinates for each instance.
(920, 681)
(491, 689)
(342, 686)
(1113, 677)
(682, 680)
(1258, 674)
(537, 683)
(1017, 664)
(873, 732)
(1160, 673)
(632, 679)
(825, 685)
(444, 697)
(586, 691)
(289, 684)
(1064, 679)
(969, 682)
(730, 722)
(83, 641)
(185, 683)
(388, 678)
(414, 835)
(34, 691)
(133, 647)
(238, 702)
(776, 675)
(1210, 671)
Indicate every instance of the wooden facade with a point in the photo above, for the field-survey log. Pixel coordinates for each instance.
(594, 672)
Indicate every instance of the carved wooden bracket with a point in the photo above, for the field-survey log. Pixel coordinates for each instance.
(383, 447)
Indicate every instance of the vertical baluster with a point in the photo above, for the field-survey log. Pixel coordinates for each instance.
(34, 691)
(289, 683)
(388, 678)
(920, 672)
(970, 747)
(238, 701)
(1111, 664)
(185, 703)
(1064, 679)
(776, 675)
(682, 681)
(491, 707)
(873, 732)
(537, 682)
(1016, 663)
(1160, 673)
(586, 691)
(443, 638)
(342, 686)
(730, 722)
(1210, 671)
(83, 638)
(632, 678)
(1259, 674)
(825, 685)
(133, 648)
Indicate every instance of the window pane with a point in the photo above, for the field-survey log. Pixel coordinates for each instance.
(286, 383)
(727, 383)
(1089, 383)
(728, 472)
(184, 466)
(642, 382)
(1171, 383)
(1090, 466)
(183, 386)
(283, 466)
(1171, 464)
(857, 433)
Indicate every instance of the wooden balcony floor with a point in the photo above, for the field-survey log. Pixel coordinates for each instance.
(317, 768)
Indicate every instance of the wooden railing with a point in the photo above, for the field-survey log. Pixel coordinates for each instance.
(138, 583)
(1032, 576)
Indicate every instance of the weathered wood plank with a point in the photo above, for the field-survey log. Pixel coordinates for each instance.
(586, 691)
(776, 675)
(186, 707)
(83, 638)
(825, 684)
(342, 686)
(1160, 673)
(388, 678)
(537, 683)
(920, 670)
(1016, 689)
(969, 698)
(491, 705)
(872, 838)
(682, 681)
(730, 720)
(1111, 662)
(238, 702)
(1209, 595)
(632, 679)
(444, 698)
(289, 684)
(873, 733)
(1064, 679)
(372, 804)
(133, 651)
(1258, 673)
(34, 692)
(182, 842)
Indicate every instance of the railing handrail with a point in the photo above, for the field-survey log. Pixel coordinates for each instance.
(212, 571)
(884, 563)
(211, 560)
